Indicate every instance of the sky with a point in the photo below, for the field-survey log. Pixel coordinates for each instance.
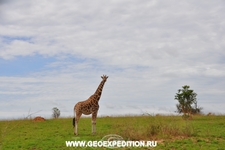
(53, 54)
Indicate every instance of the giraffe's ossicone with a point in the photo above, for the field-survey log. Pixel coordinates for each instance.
(89, 106)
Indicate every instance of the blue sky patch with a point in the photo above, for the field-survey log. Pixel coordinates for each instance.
(24, 65)
(9, 39)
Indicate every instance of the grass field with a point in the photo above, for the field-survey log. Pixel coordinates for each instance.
(170, 132)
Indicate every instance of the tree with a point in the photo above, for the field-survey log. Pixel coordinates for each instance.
(56, 112)
(187, 102)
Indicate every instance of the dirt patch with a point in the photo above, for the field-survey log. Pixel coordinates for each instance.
(39, 118)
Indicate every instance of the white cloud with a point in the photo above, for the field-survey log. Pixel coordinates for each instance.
(147, 48)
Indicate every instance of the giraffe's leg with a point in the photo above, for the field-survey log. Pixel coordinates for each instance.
(76, 123)
(93, 127)
(94, 115)
(76, 126)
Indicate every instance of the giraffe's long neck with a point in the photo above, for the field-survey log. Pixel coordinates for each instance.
(98, 92)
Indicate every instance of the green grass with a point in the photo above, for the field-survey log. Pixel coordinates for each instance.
(171, 132)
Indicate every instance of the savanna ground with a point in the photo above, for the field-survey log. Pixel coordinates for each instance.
(170, 132)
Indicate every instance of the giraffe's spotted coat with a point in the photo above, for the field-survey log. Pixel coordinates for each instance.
(89, 106)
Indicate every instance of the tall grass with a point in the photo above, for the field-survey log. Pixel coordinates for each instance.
(153, 127)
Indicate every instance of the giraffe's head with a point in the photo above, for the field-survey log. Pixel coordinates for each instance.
(104, 77)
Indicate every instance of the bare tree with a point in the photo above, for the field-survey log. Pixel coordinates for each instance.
(56, 112)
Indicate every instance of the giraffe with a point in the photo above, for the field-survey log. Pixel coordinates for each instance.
(89, 106)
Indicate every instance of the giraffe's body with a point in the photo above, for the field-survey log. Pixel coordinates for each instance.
(89, 106)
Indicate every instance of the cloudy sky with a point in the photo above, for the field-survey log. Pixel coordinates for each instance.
(52, 54)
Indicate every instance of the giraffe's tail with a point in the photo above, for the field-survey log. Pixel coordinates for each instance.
(74, 122)
(74, 119)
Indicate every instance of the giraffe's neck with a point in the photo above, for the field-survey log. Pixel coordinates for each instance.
(98, 92)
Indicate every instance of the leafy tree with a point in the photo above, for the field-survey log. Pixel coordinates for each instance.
(56, 112)
(187, 102)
